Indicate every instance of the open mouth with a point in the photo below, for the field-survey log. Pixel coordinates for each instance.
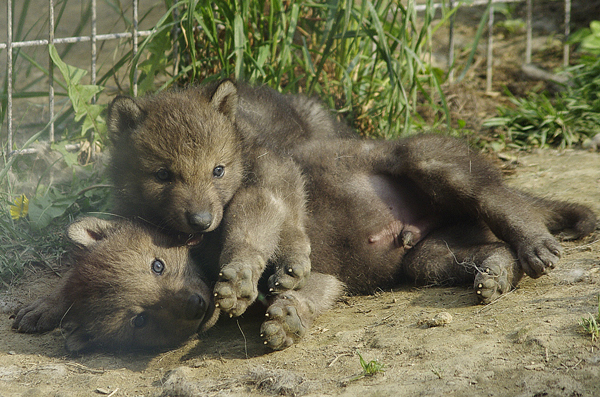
(190, 239)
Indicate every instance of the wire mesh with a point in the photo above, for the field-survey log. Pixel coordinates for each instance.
(135, 34)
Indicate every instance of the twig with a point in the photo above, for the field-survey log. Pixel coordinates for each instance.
(81, 367)
(494, 301)
(338, 356)
(244, 336)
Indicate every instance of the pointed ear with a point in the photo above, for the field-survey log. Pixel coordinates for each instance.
(88, 231)
(225, 99)
(124, 115)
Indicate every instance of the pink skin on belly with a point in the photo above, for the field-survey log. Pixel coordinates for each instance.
(402, 237)
(410, 222)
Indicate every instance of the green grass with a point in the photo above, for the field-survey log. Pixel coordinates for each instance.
(362, 57)
(369, 368)
(591, 324)
(563, 120)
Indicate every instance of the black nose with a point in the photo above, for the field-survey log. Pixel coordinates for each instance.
(200, 221)
(195, 308)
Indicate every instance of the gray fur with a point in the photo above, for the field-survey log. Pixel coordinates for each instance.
(425, 209)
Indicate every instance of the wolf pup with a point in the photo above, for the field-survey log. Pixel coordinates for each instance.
(424, 209)
(194, 161)
(126, 282)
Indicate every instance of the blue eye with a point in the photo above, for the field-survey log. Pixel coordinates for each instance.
(158, 266)
(219, 171)
(163, 175)
(140, 320)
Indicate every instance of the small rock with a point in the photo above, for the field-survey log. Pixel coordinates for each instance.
(439, 319)
(592, 144)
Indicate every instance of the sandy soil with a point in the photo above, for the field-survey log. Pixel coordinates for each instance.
(528, 343)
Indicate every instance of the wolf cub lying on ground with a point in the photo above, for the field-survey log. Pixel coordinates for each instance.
(424, 208)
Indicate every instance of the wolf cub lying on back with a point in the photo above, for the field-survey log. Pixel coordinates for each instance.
(208, 159)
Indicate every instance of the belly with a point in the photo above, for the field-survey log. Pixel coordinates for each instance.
(361, 227)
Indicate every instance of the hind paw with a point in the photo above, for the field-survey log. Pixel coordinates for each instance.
(292, 275)
(237, 288)
(284, 324)
(491, 282)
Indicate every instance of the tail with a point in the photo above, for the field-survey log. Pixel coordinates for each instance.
(569, 221)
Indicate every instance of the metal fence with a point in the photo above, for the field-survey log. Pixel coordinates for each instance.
(135, 34)
(93, 38)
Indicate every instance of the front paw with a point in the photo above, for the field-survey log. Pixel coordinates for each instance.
(237, 288)
(539, 255)
(292, 274)
(284, 324)
(40, 316)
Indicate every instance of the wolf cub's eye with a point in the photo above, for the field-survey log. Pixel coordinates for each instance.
(140, 320)
(219, 171)
(163, 175)
(158, 266)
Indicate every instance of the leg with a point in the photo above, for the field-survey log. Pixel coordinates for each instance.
(460, 182)
(264, 223)
(252, 225)
(292, 262)
(292, 313)
(464, 254)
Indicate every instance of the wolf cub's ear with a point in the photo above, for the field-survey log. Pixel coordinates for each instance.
(124, 114)
(225, 99)
(88, 231)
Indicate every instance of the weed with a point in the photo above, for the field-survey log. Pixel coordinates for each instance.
(437, 372)
(564, 120)
(588, 38)
(370, 368)
(591, 324)
(362, 57)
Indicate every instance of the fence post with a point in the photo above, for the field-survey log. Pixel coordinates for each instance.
(490, 52)
(51, 70)
(567, 32)
(451, 44)
(135, 43)
(9, 71)
(529, 33)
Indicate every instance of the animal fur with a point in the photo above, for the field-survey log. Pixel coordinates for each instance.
(425, 208)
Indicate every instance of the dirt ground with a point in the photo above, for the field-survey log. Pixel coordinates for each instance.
(528, 343)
